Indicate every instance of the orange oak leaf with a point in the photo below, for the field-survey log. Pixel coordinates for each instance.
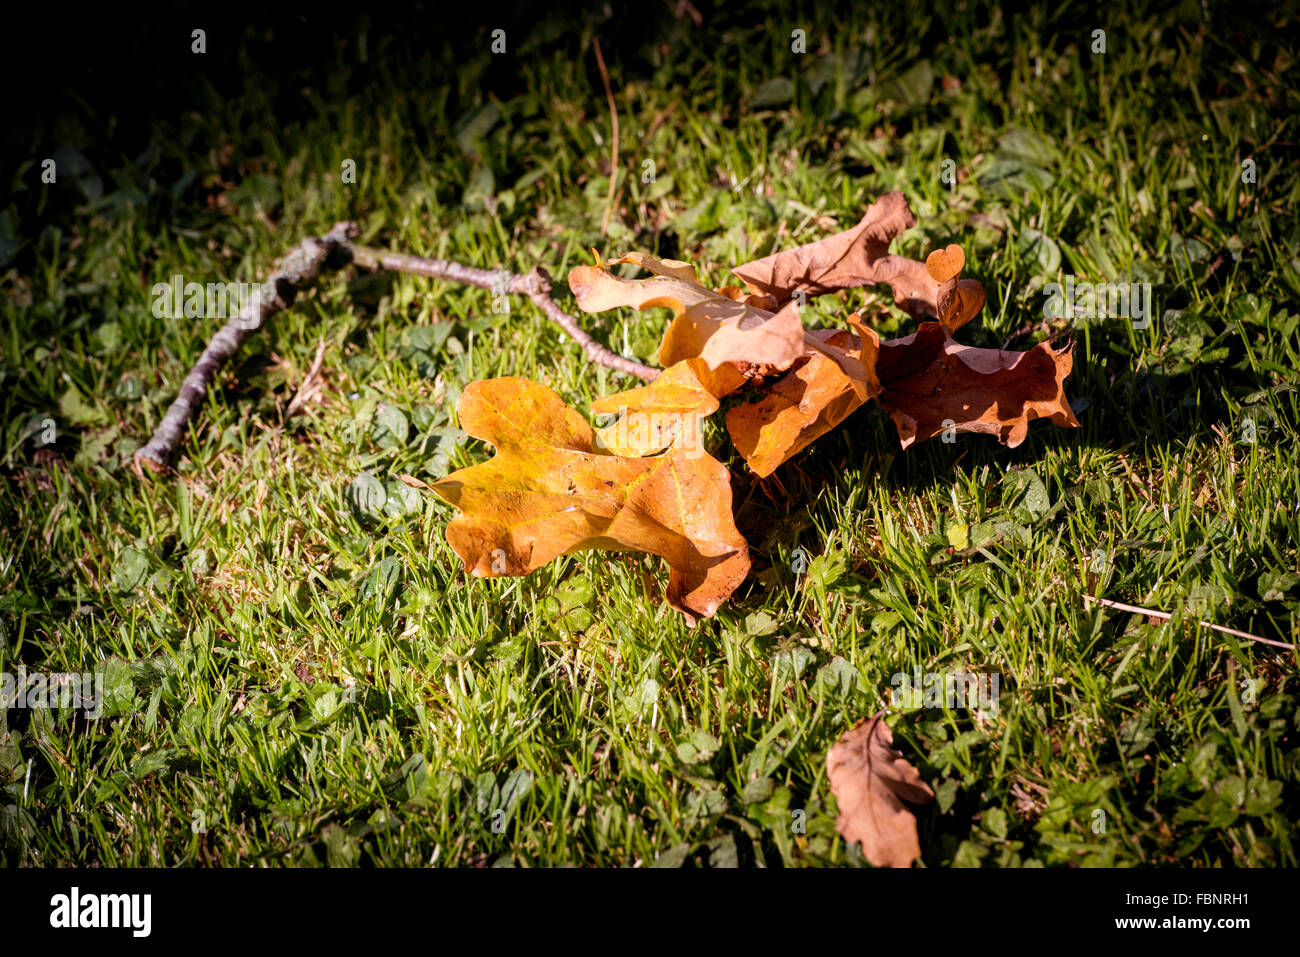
(870, 781)
(808, 401)
(860, 257)
(744, 332)
(930, 383)
(752, 332)
(549, 492)
(850, 359)
(757, 337)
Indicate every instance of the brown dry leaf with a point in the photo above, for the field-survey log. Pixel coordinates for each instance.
(745, 332)
(842, 261)
(929, 382)
(597, 290)
(757, 337)
(860, 257)
(808, 401)
(548, 492)
(870, 781)
(957, 300)
(850, 359)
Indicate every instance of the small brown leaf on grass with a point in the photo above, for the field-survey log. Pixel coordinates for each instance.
(928, 380)
(548, 492)
(870, 781)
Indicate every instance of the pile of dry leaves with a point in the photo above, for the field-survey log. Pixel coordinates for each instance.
(645, 483)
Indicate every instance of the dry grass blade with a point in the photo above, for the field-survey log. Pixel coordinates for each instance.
(311, 386)
(1165, 616)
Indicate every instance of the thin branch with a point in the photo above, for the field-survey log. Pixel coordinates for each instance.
(1165, 616)
(536, 285)
(301, 268)
(613, 118)
(298, 270)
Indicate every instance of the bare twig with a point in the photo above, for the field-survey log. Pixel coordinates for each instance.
(1165, 616)
(536, 285)
(301, 268)
(613, 118)
(298, 270)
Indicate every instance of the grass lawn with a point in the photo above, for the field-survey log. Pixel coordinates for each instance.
(296, 669)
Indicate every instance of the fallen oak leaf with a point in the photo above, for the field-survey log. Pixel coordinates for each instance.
(757, 337)
(860, 257)
(745, 332)
(812, 398)
(841, 261)
(548, 492)
(930, 383)
(849, 359)
(870, 781)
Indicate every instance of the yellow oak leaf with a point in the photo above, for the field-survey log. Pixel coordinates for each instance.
(655, 416)
(813, 397)
(549, 492)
